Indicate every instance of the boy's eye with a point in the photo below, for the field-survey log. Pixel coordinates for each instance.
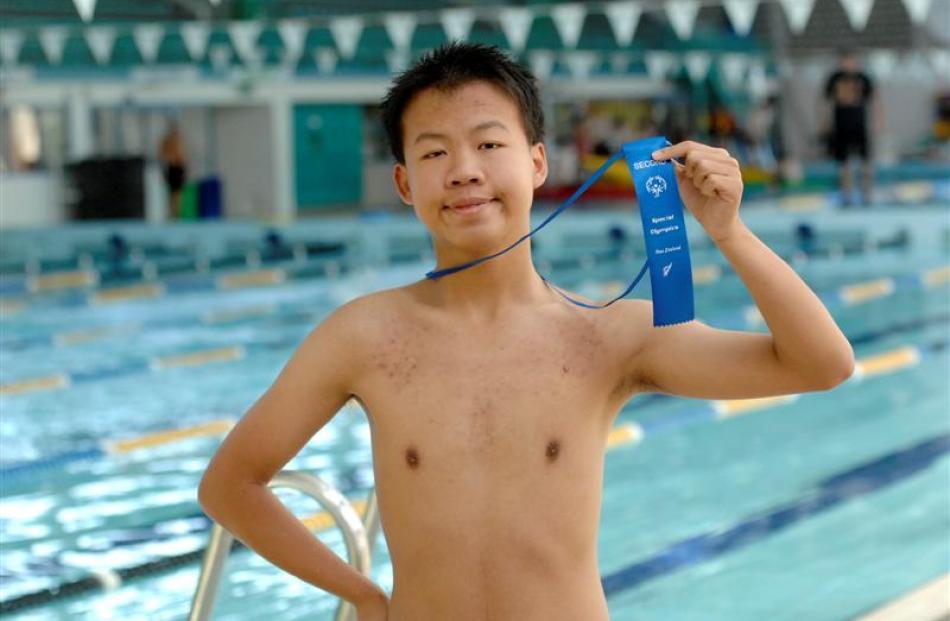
(432, 154)
(490, 145)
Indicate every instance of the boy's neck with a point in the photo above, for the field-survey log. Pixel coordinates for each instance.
(487, 291)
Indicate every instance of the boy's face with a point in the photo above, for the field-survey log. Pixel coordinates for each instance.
(470, 173)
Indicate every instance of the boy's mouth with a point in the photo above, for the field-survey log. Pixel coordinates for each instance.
(470, 205)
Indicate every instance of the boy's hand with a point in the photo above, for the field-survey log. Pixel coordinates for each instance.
(710, 184)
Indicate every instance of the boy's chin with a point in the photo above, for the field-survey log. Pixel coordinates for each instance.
(478, 241)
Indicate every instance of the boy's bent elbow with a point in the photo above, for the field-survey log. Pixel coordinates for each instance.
(207, 493)
(836, 371)
(844, 368)
(213, 493)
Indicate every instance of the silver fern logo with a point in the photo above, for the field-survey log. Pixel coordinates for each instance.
(666, 269)
(656, 185)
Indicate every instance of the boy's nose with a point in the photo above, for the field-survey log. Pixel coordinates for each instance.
(465, 179)
(465, 171)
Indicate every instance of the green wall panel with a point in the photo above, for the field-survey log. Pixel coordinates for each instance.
(328, 155)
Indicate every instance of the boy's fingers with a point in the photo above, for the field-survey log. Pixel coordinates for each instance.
(714, 184)
(668, 153)
(683, 150)
(704, 166)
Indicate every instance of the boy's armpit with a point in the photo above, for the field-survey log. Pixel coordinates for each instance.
(629, 329)
(311, 388)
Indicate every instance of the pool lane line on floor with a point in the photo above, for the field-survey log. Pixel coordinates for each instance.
(833, 300)
(866, 478)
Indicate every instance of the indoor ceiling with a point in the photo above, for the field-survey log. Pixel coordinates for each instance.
(34, 12)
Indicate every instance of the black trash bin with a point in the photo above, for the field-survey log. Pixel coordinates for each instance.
(108, 188)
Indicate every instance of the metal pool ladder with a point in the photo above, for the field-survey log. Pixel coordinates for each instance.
(358, 535)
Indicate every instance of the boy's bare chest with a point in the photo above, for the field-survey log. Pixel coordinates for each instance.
(458, 394)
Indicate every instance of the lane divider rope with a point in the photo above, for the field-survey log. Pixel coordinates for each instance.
(849, 295)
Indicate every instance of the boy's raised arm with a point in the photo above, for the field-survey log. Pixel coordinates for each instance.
(805, 350)
(311, 388)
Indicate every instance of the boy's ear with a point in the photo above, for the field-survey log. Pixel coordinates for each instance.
(401, 183)
(539, 158)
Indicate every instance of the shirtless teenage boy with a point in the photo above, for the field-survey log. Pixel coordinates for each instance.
(489, 396)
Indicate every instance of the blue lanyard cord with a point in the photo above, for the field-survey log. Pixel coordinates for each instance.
(636, 281)
(593, 178)
(672, 286)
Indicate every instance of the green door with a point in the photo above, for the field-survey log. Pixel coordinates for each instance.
(328, 155)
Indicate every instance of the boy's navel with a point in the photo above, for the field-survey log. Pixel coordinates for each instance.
(412, 457)
(553, 450)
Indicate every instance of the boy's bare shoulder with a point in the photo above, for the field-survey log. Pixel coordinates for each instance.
(368, 313)
(632, 323)
(345, 340)
(638, 311)
(624, 317)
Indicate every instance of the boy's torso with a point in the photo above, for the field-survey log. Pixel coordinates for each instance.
(488, 447)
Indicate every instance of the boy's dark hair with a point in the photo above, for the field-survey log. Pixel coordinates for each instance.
(454, 65)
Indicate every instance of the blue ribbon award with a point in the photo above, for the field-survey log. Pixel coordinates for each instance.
(664, 231)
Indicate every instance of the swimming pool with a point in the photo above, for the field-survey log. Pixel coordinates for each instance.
(820, 507)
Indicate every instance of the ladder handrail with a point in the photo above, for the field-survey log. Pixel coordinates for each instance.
(358, 535)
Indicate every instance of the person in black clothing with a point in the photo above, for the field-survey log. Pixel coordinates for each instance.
(174, 163)
(850, 93)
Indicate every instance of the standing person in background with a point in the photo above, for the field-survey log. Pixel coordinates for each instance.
(849, 93)
(174, 166)
(760, 133)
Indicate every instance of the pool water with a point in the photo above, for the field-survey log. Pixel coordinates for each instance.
(820, 508)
